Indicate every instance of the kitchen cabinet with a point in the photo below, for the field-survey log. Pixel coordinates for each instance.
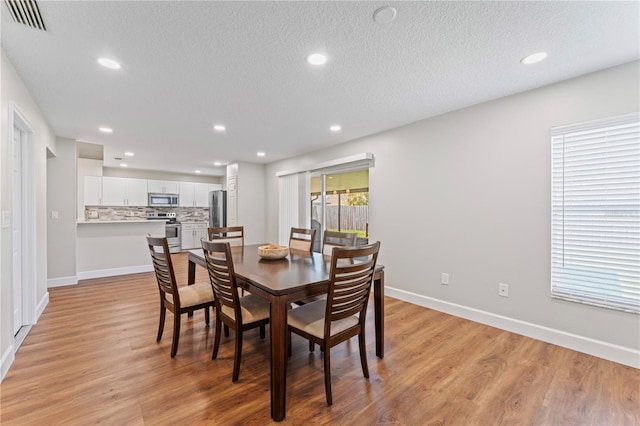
(192, 234)
(194, 194)
(92, 191)
(123, 191)
(162, 187)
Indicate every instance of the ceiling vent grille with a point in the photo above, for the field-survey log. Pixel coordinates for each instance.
(26, 12)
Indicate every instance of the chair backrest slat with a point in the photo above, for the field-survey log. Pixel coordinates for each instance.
(333, 239)
(221, 274)
(163, 267)
(302, 239)
(234, 235)
(351, 276)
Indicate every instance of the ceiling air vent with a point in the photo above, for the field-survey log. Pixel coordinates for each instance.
(26, 12)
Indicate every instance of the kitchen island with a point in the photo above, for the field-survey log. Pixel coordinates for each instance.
(115, 247)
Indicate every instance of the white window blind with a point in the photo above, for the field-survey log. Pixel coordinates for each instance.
(595, 229)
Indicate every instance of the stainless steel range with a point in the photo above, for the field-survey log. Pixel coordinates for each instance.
(173, 229)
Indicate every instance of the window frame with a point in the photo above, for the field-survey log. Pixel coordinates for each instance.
(584, 254)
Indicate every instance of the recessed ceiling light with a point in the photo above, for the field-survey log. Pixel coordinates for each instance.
(217, 163)
(123, 165)
(219, 128)
(106, 129)
(129, 154)
(198, 172)
(261, 153)
(317, 59)
(109, 63)
(534, 58)
(335, 128)
(384, 15)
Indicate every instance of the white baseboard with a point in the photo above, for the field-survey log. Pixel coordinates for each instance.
(608, 351)
(7, 359)
(62, 281)
(41, 305)
(100, 273)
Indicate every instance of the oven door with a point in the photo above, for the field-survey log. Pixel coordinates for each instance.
(172, 231)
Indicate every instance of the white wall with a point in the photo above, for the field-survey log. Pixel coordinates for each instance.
(14, 90)
(251, 202)
(61, 198)
(468, 193)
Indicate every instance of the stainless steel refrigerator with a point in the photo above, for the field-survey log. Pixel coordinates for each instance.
(217, 208)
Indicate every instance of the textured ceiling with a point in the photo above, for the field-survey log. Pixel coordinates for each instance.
(189, 65)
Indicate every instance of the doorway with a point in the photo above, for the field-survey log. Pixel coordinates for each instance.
(340, 202)
(22, 223)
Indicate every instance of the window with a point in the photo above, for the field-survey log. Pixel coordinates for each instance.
(595, 206)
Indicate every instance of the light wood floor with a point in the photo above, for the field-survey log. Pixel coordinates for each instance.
(92, 358)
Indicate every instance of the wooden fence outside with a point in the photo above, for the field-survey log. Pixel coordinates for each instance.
(351, 217)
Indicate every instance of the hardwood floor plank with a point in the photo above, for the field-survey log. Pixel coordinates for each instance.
(93, 359)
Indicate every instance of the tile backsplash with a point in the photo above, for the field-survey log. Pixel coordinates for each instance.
(183, 214)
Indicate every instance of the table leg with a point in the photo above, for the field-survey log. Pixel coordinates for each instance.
(378, 304)
(191, 278)
(191, 272)
(278, 332)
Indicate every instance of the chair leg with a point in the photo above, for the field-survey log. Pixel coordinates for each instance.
(289, 352)
(262, 332)
(363, 354)
(226, 330)
(163, 312)
(176, 333)
(312, 346)
(206, 315)
(327, 376)
(237, 355)
(216, 339)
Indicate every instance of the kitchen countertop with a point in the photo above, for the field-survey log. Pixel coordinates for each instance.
(84, 222)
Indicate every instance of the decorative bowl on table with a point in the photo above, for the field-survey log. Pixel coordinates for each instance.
(273, 252)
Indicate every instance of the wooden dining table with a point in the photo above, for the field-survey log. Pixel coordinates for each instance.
(297, 276)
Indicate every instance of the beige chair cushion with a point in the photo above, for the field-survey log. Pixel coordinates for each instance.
(194, 294)
(253, 309)
(310, 319)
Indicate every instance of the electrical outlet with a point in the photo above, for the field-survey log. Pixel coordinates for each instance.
(444, 278)
(54, 214)
(503, 290)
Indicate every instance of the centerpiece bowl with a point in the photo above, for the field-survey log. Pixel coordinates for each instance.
(273, 252)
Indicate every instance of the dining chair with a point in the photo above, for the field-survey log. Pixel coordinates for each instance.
(342, 315)
(177, 299)
(333, 239)
(231, 234)
(238, 313)
(302, 239)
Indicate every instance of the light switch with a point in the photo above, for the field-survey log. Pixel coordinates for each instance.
(54, 214)
(5, 219)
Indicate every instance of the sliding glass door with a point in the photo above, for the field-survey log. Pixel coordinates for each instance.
(340, 202)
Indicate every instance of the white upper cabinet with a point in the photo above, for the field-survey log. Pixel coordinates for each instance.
(162, 187)
(93, 190)
(137, 192)
(123, 192)
(194, 194)
(215, 187)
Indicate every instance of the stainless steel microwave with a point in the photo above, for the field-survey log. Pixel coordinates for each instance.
(163, 200)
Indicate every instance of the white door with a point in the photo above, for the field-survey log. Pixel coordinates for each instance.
(16, 228)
